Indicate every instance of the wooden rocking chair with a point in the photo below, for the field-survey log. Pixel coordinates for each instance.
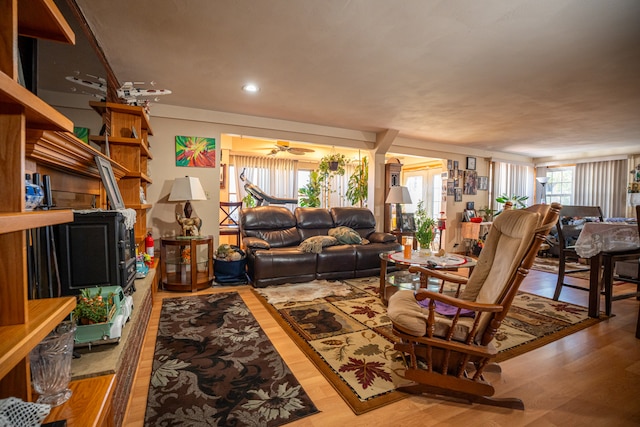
(449, 352)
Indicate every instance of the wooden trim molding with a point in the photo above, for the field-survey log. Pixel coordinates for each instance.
(62, 150)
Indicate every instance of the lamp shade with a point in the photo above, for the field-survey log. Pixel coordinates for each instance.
(542, 179)
(398, 194)
(187, 188)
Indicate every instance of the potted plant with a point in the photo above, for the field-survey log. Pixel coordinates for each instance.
(425, 228)
(358, 187)
(516, 201)
(92, 308)
(332, 164)
(249, 201)
(310, 193)
(327, 169)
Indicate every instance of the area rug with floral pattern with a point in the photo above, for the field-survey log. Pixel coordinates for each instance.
(214, 365)
(349, 338)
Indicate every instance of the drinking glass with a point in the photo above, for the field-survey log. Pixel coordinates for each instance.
(51, 365)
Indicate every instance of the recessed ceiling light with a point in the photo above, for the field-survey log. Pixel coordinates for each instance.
(250, 87)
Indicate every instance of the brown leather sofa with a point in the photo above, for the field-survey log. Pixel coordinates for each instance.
(271, 236)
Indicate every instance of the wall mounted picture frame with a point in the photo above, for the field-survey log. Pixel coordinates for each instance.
(195, 151)
(110, 184)
(457, 194)
(470, 183)
(483, 183)
(471, 163)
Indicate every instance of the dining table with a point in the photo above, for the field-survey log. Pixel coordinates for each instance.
(604, 244)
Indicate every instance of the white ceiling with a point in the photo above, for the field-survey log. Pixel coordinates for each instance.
(529, 77)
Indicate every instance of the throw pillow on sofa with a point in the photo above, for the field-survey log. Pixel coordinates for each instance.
(316, 243)
(345, 235)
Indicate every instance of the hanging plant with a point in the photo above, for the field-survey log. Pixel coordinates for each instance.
(339, 162)
(325, 174)
(358, 187)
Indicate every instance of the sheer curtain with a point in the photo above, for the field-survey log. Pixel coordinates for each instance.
(339, 185)
(512, 180)
(602, 184)
(276, 177)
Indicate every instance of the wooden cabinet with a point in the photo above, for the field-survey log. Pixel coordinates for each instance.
(23, 323)
(183, 267)
(128, 145)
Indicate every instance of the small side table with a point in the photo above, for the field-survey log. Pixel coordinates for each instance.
(180, 267)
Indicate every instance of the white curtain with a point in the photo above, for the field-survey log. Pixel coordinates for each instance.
(602, 184)
(339, 185)
(512, 180)
(276, 177)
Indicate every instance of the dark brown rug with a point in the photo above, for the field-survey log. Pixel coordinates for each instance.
(214, 366)
(349, 337)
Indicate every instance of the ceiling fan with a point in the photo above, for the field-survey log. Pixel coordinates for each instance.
(284, 146)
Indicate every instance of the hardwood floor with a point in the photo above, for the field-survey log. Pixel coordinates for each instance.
(589, 378)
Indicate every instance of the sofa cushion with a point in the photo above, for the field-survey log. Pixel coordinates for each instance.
(274, 224)
(411, 318)
(379, 237)
(313, 222)
(360, 219)
(316, 243)
(346, 235)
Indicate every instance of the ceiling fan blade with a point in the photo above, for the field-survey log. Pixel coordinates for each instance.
(299, 151)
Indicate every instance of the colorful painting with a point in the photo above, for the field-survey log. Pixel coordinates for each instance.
(193, 151)
(82, 134)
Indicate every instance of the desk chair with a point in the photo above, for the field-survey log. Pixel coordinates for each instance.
(567, 234)
(228, 224)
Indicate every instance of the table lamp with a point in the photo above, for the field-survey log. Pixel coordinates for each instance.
(187, 189)
(398, 195)
(543, 181)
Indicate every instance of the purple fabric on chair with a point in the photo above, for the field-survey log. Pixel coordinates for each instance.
(446, 309)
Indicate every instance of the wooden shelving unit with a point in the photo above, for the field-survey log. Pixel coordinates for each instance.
(23, 323)
(131, 151)
(29, 129)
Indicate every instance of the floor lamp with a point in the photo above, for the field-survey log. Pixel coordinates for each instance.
(543, 194)
(398, 195)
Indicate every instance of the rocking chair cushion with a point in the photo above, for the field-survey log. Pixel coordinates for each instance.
(409, 317)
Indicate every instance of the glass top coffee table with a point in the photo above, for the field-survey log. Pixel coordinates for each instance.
(402, 279)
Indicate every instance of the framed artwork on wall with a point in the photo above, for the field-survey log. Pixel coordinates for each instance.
(193, 151)
(483, 183)
(458, 194)
(470, 182)
(471, 163)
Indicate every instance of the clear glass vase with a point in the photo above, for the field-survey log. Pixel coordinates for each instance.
(51, 365)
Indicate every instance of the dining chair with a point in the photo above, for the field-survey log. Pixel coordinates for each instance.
(228, 224)
(568, 228)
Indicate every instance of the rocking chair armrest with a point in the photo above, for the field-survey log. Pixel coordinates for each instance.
(472, 349)
(439, 274)
(458, 303)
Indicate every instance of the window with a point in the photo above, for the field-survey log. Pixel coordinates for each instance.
(425, 185)
(559, 188)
